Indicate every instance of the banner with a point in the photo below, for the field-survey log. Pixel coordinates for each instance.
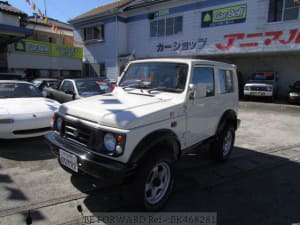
(224, 16)
(47, 49)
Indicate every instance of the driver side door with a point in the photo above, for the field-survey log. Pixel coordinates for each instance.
(67, 91)
(202, 108)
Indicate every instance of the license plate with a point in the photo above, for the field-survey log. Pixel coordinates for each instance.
(257, 93)
(68, 160)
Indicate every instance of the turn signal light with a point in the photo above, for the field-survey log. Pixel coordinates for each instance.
(120, 139)
(6, 121)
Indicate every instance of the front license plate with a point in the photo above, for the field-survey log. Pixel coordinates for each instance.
(257, 93)
(68, 160)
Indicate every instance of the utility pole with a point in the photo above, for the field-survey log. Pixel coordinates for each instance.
(45, 8)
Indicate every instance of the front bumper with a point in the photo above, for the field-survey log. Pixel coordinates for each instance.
(294, 99)
(258, 93)
(89, 162)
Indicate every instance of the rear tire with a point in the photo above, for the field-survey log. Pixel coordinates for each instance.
(222, 147)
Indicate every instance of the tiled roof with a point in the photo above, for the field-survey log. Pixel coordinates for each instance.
(102, 9)
(55, 22)
(6, 7)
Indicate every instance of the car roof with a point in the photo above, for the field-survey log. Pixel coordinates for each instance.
(14, 81)
(83, 79)
(47, 79)
(186, 60)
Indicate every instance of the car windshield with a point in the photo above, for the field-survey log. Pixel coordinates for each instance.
(103, 86)
(263, 76)
(88, 86)
(18, 90)
(170, 77)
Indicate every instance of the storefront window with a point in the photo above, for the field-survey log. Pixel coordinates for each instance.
(283, 10)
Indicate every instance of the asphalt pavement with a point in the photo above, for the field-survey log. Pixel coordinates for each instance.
(259, 185)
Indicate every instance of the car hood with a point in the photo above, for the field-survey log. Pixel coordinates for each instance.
(124, 110)
(295, 92)
(13, 106)
(260, 82)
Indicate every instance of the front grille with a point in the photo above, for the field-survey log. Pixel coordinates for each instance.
(253, 88)
(82, 134)
(77, 133)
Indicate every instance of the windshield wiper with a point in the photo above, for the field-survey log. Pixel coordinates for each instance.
(167, 89)
(135, 86)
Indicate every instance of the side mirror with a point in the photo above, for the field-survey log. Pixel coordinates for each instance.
(192, 91)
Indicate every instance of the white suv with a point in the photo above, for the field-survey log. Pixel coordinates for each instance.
(262, 84)
(160, 110)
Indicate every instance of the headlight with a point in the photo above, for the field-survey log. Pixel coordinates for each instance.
(110, 142)
(6, 121)
(269, 88)
(114, 144)
(59, 124)
(293, 94)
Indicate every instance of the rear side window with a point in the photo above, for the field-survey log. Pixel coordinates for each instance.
(226, 81)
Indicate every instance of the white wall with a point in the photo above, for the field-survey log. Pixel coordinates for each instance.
(107, 51)
(9, 19)
(134, 37)
(140, 41)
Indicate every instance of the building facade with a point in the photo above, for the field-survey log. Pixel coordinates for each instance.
(47, 52)
(255, 35)
(12, 28)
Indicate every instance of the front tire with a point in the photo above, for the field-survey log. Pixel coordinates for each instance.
(222, 147)
(153, 183)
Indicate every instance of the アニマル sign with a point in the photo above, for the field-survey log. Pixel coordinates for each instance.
(224, 16)
(47, 49)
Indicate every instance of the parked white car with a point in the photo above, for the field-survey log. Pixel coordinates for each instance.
(24, 112)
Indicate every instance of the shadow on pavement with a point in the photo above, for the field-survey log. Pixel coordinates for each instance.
(30, 149)
(251, 188)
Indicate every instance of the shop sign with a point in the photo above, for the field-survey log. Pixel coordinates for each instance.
(224, 16)
(48, 49)
(181, 46)
(259, 39)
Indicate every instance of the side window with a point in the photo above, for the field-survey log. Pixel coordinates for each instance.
(204, 76)
(226, 81)
(67, 86)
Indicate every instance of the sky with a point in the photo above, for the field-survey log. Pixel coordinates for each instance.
(62, 10)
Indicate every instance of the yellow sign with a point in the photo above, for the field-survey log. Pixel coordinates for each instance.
(48, 49)
(231, 13)
(224, 16)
